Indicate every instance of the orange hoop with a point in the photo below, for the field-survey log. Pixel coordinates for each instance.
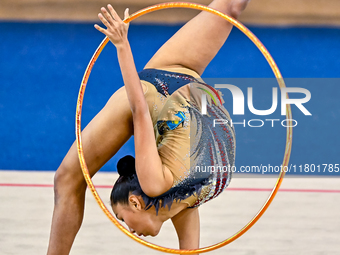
(289, 136)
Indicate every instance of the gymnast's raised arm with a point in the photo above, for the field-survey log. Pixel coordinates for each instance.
(154, 177)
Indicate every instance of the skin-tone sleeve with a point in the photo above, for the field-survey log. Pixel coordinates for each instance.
(154, 178)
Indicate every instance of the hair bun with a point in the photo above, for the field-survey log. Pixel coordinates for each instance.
(126, 166)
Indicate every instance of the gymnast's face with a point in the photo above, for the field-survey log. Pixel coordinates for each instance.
(139, 221)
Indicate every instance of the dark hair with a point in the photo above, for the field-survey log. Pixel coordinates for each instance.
(126, 183)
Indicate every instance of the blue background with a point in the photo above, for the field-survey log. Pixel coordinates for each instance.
(42, 64)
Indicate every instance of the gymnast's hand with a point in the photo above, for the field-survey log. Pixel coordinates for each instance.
(116, 30)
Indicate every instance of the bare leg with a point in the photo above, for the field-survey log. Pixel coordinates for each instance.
(199, 40)
(102, 138)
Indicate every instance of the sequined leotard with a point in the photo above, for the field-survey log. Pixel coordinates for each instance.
(199, 154)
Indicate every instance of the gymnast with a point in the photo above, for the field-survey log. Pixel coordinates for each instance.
(161, 108)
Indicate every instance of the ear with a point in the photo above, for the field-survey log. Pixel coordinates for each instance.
(135, 203)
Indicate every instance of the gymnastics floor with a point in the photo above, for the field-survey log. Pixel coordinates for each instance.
(303, 218)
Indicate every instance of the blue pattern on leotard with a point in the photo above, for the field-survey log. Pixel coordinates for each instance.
(162, 79)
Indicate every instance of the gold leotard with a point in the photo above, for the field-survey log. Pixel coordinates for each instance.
(185, 138)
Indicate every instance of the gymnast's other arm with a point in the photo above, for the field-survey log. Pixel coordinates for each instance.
(153, 176)
(187, 225)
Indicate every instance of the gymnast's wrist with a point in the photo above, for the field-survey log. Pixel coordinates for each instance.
(122, 45)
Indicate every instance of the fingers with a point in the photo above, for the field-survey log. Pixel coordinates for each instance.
(107, 20)
(113, 13)
(104, 20)
(126, 13)
(107, 16)
(100, 29)
(116, 29)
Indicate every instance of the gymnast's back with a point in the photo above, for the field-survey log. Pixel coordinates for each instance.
(186, 139)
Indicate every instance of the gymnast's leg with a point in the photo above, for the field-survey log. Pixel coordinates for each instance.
(199, 40)
(102, 138)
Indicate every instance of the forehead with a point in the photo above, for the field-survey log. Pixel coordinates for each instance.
(119, 209)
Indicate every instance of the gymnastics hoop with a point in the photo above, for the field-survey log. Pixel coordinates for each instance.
(289, 135)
